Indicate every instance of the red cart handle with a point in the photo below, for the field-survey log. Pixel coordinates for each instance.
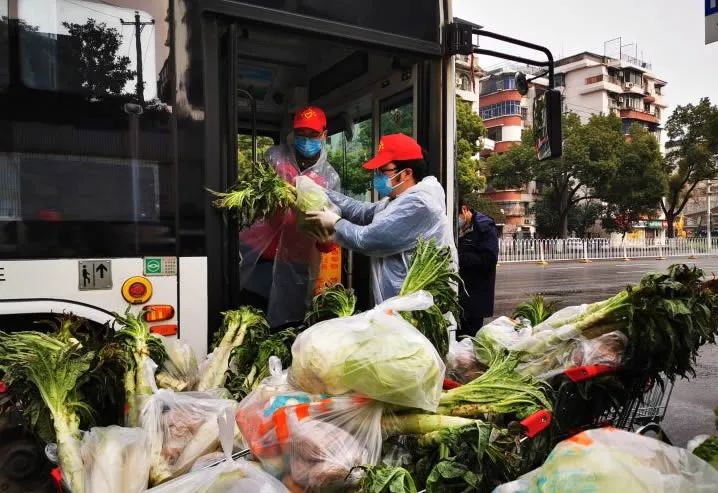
(536, 423)
(581, 373)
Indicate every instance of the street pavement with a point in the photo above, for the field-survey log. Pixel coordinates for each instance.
(690, 409)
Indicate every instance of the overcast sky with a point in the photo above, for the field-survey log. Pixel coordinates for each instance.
(670, 34)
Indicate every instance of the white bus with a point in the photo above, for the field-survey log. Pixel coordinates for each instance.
(116, 116)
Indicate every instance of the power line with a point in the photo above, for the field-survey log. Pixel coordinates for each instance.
(144, 57)
(93, 10)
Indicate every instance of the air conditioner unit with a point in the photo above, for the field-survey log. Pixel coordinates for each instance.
(630, 85)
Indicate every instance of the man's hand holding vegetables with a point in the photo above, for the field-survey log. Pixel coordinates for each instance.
(281, 263)
(412, 207)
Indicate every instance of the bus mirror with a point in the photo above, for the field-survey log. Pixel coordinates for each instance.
(521, 84)
(547, 124)
(348, 126)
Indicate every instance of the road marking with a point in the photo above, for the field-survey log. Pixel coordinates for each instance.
(630, 271)
(568, 268)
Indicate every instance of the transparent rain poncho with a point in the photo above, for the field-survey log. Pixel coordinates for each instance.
(388, 231)
(279, 261)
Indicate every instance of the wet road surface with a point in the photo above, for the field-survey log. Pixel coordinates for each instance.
(690, 409)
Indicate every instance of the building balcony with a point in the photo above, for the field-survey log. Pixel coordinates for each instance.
(632, 88)
(602, 83)
(640, 115)
(487, 144)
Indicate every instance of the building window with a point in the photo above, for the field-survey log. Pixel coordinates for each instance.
(658, 90)
(465, 83)
(524, 112)
(635, 78)
(495, 134)
(498, 83)
(559, 80)
(501, 109)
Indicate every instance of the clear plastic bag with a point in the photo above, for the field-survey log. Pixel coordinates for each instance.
(377, 354)
(462, 365)
(607, 460)
(254, 415)
(182, 426)
(315, 446)
(603, 350)
(116, 460)
(180, 371)
(229, 476)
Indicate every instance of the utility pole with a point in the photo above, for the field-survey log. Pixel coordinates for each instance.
(138, 44)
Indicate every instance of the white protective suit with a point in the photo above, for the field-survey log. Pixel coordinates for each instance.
(388, 231)
(278, 261)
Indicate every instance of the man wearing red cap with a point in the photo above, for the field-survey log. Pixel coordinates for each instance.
(413, 206)
(280, 265)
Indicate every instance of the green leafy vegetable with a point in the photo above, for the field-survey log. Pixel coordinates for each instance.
(235, 326)
(257, 195)
(140, 345)
(432, 269)
(537, 310)
(334, 301)
(54, 369)
(499, 390)
(385, 479)
(708, 451)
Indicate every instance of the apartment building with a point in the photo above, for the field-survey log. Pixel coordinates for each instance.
(624, 85)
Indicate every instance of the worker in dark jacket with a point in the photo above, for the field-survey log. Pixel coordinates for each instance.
(478, 255)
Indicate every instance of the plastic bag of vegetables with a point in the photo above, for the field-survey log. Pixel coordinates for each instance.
(182, 426)
(228, 476)
(607, 460)
(378, 354)
(310, 197)
(116, 460)
(254, 416)
(180, 370)
(318, 445)
(462, 364)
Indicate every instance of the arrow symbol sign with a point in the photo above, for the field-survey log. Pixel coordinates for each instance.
(101, 269)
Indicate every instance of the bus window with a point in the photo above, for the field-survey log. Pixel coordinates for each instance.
(86, 159)
(347, 158)
(397, 114)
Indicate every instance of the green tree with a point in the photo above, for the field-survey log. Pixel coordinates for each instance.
(590, 157)
(99, 70)
(638, 184)
(486, 206)
(347, 158)
(469, 130)
(244, 151)
(692, 156)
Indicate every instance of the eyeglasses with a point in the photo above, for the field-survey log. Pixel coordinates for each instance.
(385, 171)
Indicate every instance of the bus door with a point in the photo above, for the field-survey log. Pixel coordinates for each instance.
(365, 92)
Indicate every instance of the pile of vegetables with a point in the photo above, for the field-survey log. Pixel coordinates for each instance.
(333, 301)
(708, 449)
(536, 310)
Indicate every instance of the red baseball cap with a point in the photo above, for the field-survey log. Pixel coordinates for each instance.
(394, 147)
(310, 117)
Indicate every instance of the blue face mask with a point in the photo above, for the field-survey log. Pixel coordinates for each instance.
(382, 185)
(306, 146)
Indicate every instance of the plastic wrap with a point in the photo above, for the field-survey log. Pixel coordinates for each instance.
(603, 350)
(180, 371)
(116, 460)
(315, 446)
(607, 460)
(377, 354)
(462, 365)
(182, 426)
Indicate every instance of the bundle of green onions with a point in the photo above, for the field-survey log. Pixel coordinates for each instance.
(333, 301)
(432, 269)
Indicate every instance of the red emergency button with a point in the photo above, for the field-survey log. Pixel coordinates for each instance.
(137, 290)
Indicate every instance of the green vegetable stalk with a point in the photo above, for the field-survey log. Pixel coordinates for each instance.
(235, 325)
(140, 345)
(536, 310)
(432, 269)
(55, 369)
(500, 390)
(385, 479)
(334, 301)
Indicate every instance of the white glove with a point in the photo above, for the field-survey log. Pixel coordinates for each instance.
(326, 219)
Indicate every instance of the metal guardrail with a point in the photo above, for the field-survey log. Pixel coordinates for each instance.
(549, 250)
